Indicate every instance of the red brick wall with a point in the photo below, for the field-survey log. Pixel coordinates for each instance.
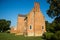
(20, 25)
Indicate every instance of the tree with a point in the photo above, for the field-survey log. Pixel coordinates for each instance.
(57, 23)
(54, 9)
(4, 25)
(54, 12)
(47, 25)
(53, 32)
(50, 27)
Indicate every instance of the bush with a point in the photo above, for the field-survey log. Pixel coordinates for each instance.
(57, 35)
(48, 35)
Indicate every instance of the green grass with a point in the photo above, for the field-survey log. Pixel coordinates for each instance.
(8, 36)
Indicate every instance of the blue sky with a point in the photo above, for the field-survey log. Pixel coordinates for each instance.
(9, 9)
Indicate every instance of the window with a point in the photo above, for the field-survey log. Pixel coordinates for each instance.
(30, 27)
(42, 27)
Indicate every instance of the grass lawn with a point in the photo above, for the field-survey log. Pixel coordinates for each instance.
(8, 36)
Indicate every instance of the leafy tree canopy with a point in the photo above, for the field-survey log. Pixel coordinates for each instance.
(54, 9)
(4, 25)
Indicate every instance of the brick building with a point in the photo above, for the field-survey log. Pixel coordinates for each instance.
(32, 24)
(13, 30)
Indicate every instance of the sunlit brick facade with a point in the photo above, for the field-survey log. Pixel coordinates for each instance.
(32, 24)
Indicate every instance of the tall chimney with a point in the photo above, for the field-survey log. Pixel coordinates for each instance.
(36, 7)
